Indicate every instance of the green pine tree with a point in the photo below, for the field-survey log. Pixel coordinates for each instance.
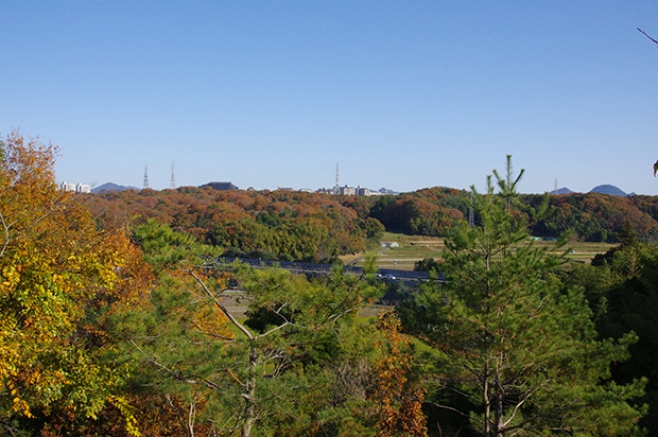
(622, 287)
(297, 363)
(515, 354)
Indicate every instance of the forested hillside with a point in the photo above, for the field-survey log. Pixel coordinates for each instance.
(283, 225)
(598, 217)
(296, 226)
(589, 217)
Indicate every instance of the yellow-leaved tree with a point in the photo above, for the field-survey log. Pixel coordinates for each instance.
(59, 275)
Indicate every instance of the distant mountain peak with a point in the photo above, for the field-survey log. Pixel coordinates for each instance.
(110, 186)
(608, 189)
(563, 190)
(387, 191)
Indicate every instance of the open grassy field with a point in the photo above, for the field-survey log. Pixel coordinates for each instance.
(584, 252)
(413, 248)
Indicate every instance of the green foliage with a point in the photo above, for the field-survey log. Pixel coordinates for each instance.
(374, 231)
(293, 367)
(597, 217)
(628, 236)
(165, 249)
(426, 212)
(519, 353)
(315, 340)
(621, 288)
(426, 265)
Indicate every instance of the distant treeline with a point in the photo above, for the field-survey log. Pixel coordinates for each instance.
(282, 225)
(589, 217)
(296, 226)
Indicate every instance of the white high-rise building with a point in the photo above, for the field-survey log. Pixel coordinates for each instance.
(65, 186)
(77, 188)
(82, 188)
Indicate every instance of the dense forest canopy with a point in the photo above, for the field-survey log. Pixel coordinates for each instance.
(279, 225)
(316, 227)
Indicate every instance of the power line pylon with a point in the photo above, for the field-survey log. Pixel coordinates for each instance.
(146, 177)
(173, 180)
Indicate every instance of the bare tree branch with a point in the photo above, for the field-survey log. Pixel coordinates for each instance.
(454, 410)
(221, 306)
(210, 334)
(647, 35)
(274, 329)
(5, 228)
(179, 415)
(174, 374)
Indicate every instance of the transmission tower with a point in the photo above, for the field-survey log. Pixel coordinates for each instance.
(173, 180)
(146, 177)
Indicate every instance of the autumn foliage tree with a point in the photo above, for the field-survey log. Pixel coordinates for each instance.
(287, 226)
(399, 393)
(59, 277)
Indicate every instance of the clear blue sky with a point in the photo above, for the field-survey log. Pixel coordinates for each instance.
(403, 94)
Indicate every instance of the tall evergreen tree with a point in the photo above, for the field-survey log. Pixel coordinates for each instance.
(515, 354)
(622, 288)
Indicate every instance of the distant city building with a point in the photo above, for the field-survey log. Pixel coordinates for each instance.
(348, 191)
(65, 186)
(360, 191)
(82, 188)
(220, 186)
(76, 188)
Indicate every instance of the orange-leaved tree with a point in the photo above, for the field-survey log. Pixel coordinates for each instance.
(58, 275)
(400, 396)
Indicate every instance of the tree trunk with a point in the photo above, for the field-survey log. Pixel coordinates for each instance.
(499, 416)
(487, 406)
(249, 396)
